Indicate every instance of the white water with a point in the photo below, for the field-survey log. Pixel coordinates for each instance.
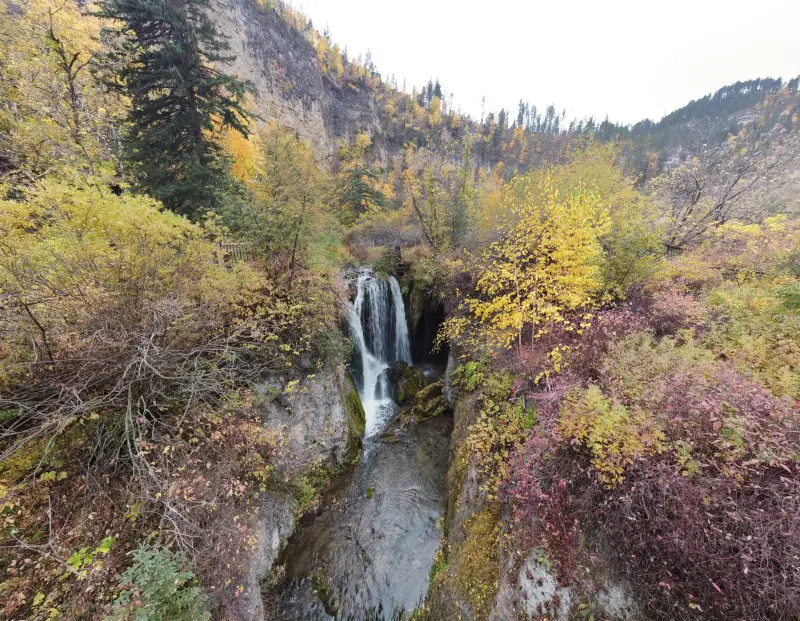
(378, 345)
(401, 342)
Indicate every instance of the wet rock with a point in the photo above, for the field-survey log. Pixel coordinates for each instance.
(274, 526)
(356, 419)
(449, 391)
(536, 592)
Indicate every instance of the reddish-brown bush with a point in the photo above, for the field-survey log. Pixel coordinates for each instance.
(711, 526)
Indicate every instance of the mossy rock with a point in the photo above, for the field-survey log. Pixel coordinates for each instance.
(430, 402)
(411, 382)
(465, 584)
(430, 409)
(356, 418)
(403, 382)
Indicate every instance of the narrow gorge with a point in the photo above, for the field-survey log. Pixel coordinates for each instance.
(367, 553)
(286, 337)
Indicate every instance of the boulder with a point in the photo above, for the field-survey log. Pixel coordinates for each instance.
(401, 383)
(429, 403)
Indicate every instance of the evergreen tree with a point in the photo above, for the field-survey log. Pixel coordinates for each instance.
(357, 194)
(166, 65)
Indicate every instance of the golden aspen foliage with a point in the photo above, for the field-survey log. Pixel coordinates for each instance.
(546, 265)
(436, 112)
(242, 152)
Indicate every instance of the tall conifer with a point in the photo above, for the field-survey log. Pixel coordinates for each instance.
(167, 64)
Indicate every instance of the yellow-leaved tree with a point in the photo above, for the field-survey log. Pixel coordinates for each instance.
(633, 243)
(545, 267)
(57, 115)
(284, 217)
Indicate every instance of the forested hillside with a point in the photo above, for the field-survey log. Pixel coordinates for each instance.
(195, 197)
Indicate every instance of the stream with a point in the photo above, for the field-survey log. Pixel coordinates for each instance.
(367, 554)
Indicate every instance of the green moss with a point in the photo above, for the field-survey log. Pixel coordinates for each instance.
(356, 418)
(459, 465)
(20, 463)
(412, 382)
(306, 494)
(430, 403)
(309, 485)
(430, 391)
(437, 407)
(322, 588)
(439, 564)
(475, 563)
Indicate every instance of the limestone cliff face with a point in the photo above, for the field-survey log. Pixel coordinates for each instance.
(290, 83)
(322, 422)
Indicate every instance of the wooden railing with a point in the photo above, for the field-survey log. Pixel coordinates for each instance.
(232, 251)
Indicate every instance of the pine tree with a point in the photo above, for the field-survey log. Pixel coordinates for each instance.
(166, 65)
(357, 194)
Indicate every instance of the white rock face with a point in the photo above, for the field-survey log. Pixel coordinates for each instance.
(540, 595)
(537, 594)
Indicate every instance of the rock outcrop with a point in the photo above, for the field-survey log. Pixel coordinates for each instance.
(290, 85)
(322, 423)
(401, 383)
(320, 416)
(481, 578)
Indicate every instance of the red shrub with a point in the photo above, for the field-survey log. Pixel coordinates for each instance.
(711, 525)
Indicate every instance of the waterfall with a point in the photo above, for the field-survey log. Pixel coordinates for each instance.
(378, 327)
(402, 344)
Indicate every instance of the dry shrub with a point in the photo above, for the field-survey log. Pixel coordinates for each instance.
(129, 349)
(710, 526)
(540, 479)
(727, 549)
(672, 310)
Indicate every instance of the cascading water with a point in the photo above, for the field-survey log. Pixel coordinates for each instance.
(402, 344)
(374, 542)
(377, 322)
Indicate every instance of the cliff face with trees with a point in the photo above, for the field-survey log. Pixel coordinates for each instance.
(275, 52)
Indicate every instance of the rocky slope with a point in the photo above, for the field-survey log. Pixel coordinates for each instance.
(480, 578)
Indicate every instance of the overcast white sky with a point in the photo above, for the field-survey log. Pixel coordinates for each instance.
(629, 59)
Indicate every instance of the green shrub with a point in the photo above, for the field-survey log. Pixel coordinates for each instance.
(469, 375)
(500, 429)
(615, 435)
(756, 326)
(159, 587)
